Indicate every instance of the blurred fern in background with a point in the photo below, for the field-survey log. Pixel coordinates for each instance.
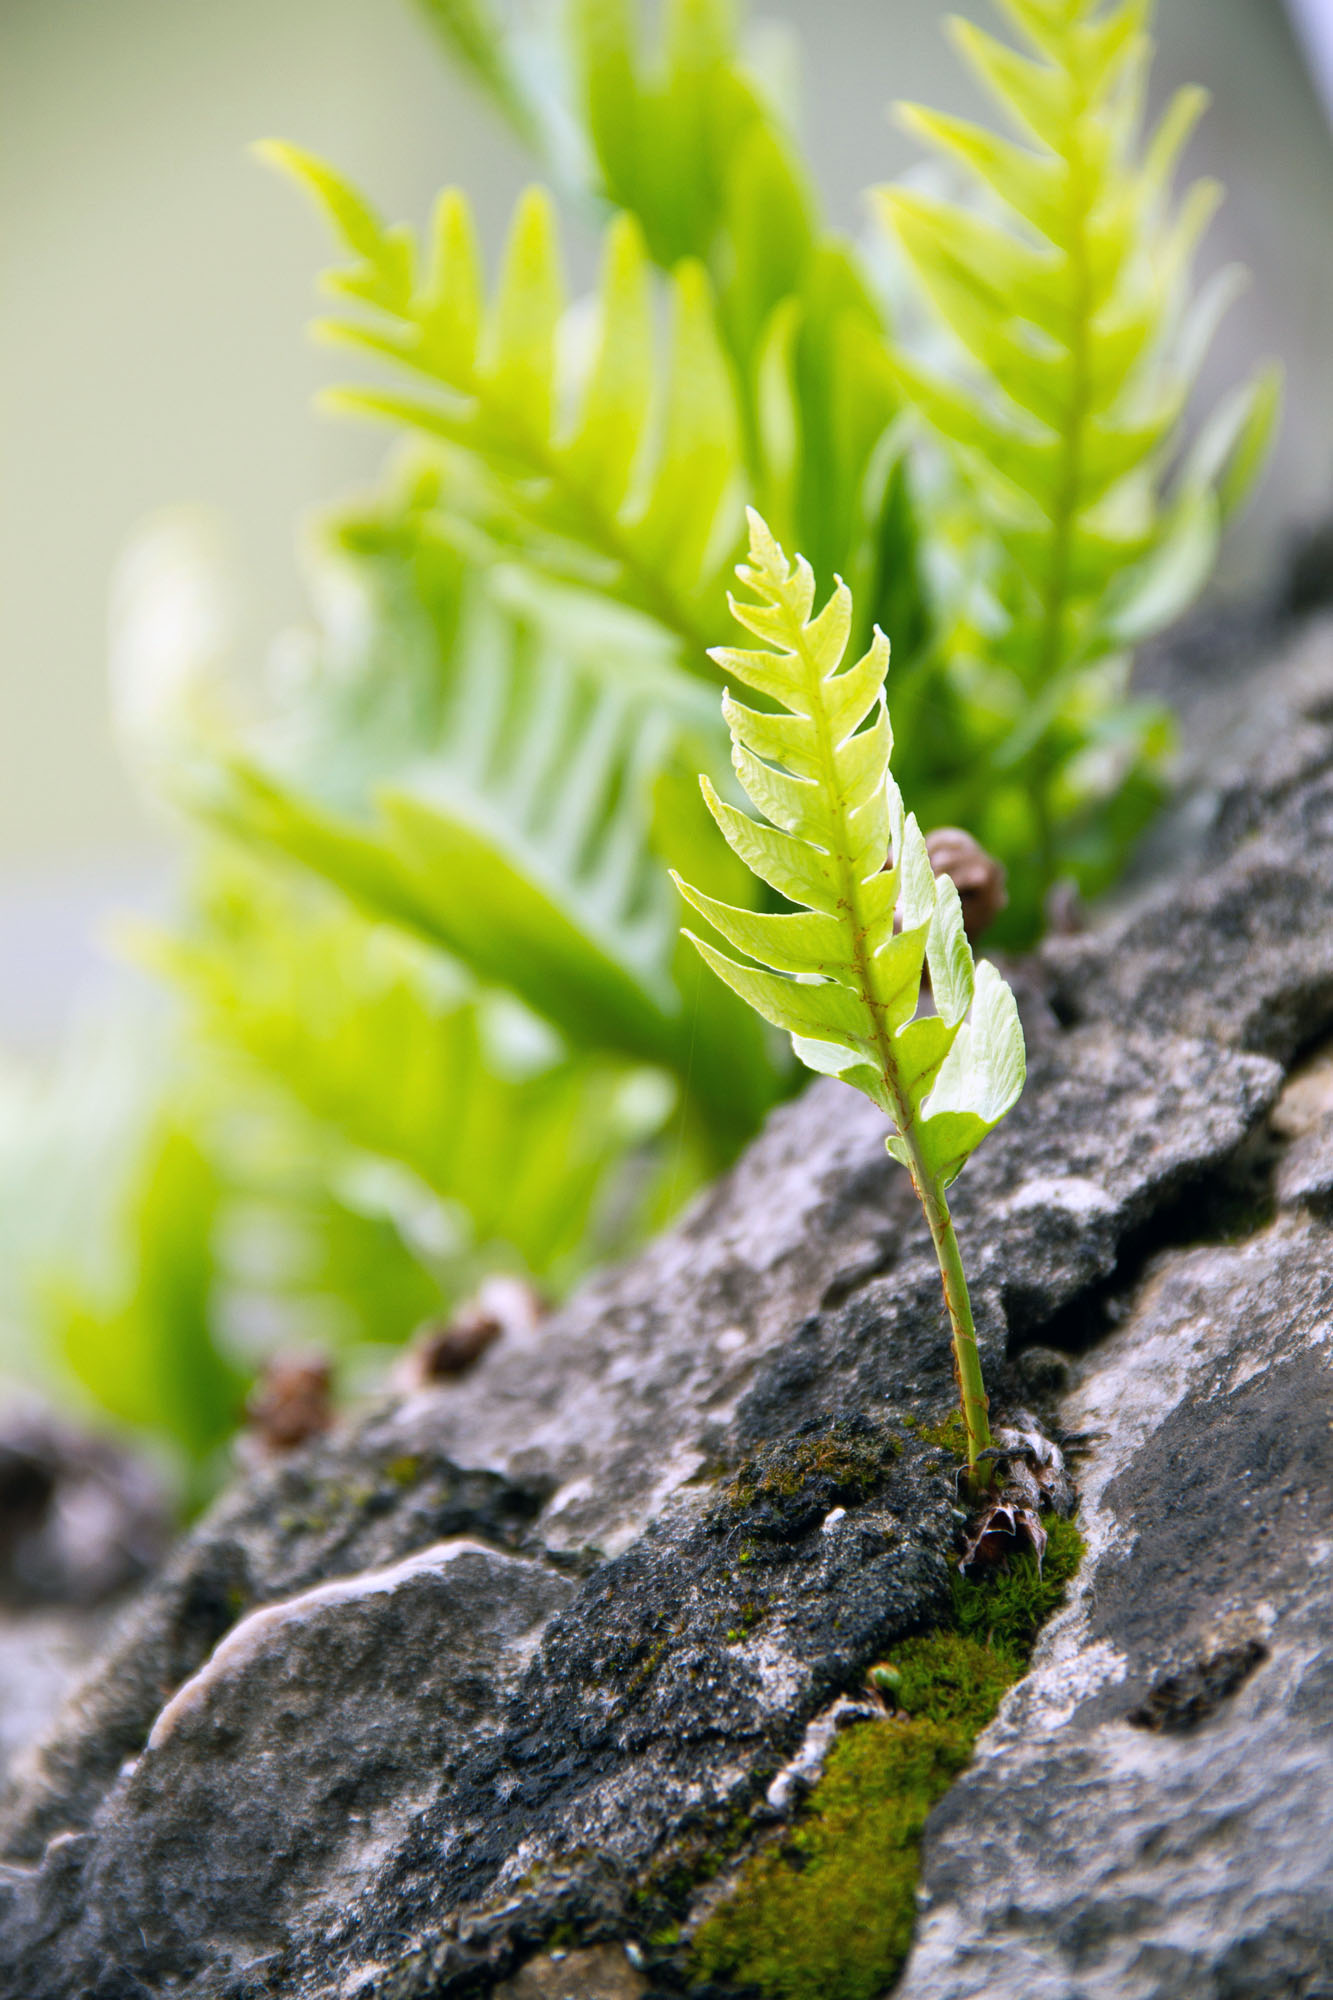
(435, 1012)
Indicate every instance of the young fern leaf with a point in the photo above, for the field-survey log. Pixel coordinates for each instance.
(476, 1103)
(842, 972)
(1064, 287)
(628, 478)
(468, 768)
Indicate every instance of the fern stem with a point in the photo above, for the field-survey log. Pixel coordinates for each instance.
(966, 1356)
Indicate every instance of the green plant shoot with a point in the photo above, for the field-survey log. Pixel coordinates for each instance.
(1073, 339)
(842, 972)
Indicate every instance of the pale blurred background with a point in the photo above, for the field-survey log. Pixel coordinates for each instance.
(154, 285)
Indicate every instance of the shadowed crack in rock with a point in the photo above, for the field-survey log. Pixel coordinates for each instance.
(414, 1790)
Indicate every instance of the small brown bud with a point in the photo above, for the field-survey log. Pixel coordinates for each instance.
(292, 1401)
(447, 1349)
(978, 878)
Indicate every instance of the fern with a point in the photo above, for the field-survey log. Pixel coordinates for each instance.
(1066, 295)
(842, 972)
(687, 140)
(628, 477)
(490, 740)
(476, 35)
(480, 1105)
(146, 1348)
(522, 820)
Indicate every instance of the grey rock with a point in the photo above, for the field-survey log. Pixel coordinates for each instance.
(1150, 1818)
(80, 1522)
(80, 1519)
(331, 1512)
(1241, 950)
(42, 1654)
(689, 1513)
(1305, 1176)
(318, 1730)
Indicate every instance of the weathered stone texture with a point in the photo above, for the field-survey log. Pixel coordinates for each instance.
(1129, 1832)
(543, 1634)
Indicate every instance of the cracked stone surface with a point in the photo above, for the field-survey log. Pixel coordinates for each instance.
(460, 1686)
(1128, 1863)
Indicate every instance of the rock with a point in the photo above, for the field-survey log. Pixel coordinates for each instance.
(318, 1732)
(42, 1654)
(547, 1635)
(80, 1519)
(335, 1511)
(1242, 952)
(1150, 1817)
(604, 1973)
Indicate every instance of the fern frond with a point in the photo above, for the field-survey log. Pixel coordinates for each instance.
(686, 140)
(842, 971)
(146, 1348)
(1065, 289)
(476, 34)
(634, 464)
(476, 1100)
(518, 820)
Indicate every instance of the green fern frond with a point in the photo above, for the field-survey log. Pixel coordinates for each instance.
(145, 1347)
(689, 144)
(687, 140)
(841, 972)
(518, 822)
(481, 1104)
(1065, 289)
(629, 473)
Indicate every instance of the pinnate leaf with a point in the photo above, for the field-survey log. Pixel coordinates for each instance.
(866, 919)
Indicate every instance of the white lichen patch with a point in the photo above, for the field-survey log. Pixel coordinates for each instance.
(805, 1768)
(1072, 1193)
(781, 1675)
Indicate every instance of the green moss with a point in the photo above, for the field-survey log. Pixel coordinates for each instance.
(751, 1614)
(847, 1458)
(830, 1912)
(950, 1436)
(404, 1470)
(809, 1918)
(1011, 1606)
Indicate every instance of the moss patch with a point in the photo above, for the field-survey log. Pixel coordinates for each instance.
(831, 1911)
(950, 1436)
(786, 1487)
(847, 1458)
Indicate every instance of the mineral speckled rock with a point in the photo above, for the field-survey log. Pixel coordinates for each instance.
(335, 1512)
(319, 1729)
(1084, 1856)
(554, 1629)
